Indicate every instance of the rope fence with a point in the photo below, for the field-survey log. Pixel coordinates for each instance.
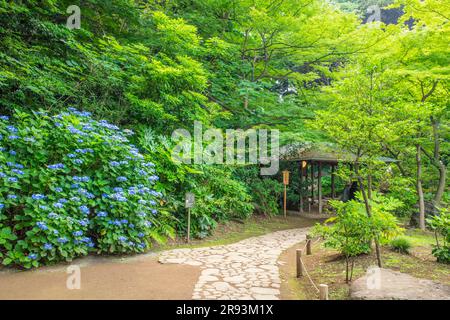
(322, 289)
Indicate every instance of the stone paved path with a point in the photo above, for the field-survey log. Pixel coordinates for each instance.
(244, 270)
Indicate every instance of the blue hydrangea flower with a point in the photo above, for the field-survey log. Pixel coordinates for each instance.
(12, 179)
(118, 189)
(41, 225)
(2, 206)
(147, 223)
(29, 139)
(141, 235)
(5, 118)
(83, 222)
(13, 137)
(17, 171)
(12, 152)
(32, 256)
(148, 164)
(62, 240)
(123, 239)
(121, 179)
(78, 161)
(58, 189)
(2, 175)
(77, 233)
(12, 196)
(84, 209)
(102, 214)
(80, 179)
(58, 205)
(141, 245)
(48, 246)
(56, 166)
(52, 215)
(38, 197)
(12, 129)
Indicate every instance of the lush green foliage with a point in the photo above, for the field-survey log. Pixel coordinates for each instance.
(265, 192)
(352, 230)
(220, 196)
(441, 226)
(401, 245)
(70, 185)
(312, 69)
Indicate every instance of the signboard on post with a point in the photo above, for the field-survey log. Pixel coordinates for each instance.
(189, 203)
(285, 182)
(190, 200)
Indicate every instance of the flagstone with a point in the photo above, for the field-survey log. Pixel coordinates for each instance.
(244, 270)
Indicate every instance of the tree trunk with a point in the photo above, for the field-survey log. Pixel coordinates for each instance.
(442, 181)
(368, 211)
(419, 189)
(346, 270)
(438, 163)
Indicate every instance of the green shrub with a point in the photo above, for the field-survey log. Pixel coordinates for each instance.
(401, 245)
(219, 195)
(403, 189)
(441, 226)
(70, 185)
(351, 231)
(265, 192)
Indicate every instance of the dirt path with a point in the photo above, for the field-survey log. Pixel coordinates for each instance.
(248, 269)
(142, 278)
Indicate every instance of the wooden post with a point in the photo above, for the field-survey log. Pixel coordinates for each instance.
(285, 182)
(319, 185)
(323, 292)
(301, 188)
(299, 263)
(312, 183)
(333, 188)
(308, 245)
(189, 226)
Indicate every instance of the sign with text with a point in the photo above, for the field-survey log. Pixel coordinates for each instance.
(190, 200)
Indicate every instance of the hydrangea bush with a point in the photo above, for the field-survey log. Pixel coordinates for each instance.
(70, 185)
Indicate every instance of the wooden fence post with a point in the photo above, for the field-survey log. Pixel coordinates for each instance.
(299, 263)
(308, 245)
(323, 292)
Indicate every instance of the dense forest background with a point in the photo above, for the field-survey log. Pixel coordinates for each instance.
(322, 72)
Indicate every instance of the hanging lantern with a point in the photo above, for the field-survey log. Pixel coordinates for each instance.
(285, 177)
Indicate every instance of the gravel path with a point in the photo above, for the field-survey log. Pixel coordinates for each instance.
(244, 270)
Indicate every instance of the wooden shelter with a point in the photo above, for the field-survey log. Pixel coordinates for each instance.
(311, 160)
